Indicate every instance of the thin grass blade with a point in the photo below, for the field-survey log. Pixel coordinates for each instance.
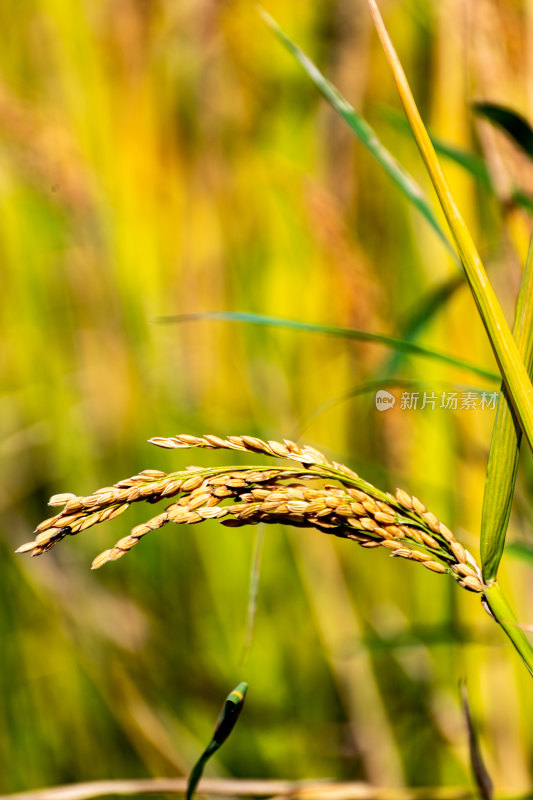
(479, 770)
(226, 722)
(401, 345)
(255, 573)
(363, 131)
(514, 373)
(506, 440)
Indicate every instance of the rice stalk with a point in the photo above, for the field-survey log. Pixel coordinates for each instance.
(512, 368)
(302, 496)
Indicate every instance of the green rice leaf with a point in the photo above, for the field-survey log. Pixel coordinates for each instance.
(514, 373)
(332, 330)
(506, 440)
(363, 131)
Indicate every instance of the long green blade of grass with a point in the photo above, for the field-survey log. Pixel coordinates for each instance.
(332, 330)
(513, 371)
(363, 131)
(506, 440)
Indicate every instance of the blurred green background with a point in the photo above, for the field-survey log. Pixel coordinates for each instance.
(164, 157)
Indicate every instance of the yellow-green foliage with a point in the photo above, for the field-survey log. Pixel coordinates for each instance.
(169, 158)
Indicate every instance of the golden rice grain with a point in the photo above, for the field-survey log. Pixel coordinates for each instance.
(349, 507)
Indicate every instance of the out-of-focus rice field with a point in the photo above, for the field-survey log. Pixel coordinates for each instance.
(170, 158)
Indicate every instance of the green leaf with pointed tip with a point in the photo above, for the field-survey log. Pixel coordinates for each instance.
(333, 330)
(514, 124)
(363, 131)
(225, 724)
(506, 440)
